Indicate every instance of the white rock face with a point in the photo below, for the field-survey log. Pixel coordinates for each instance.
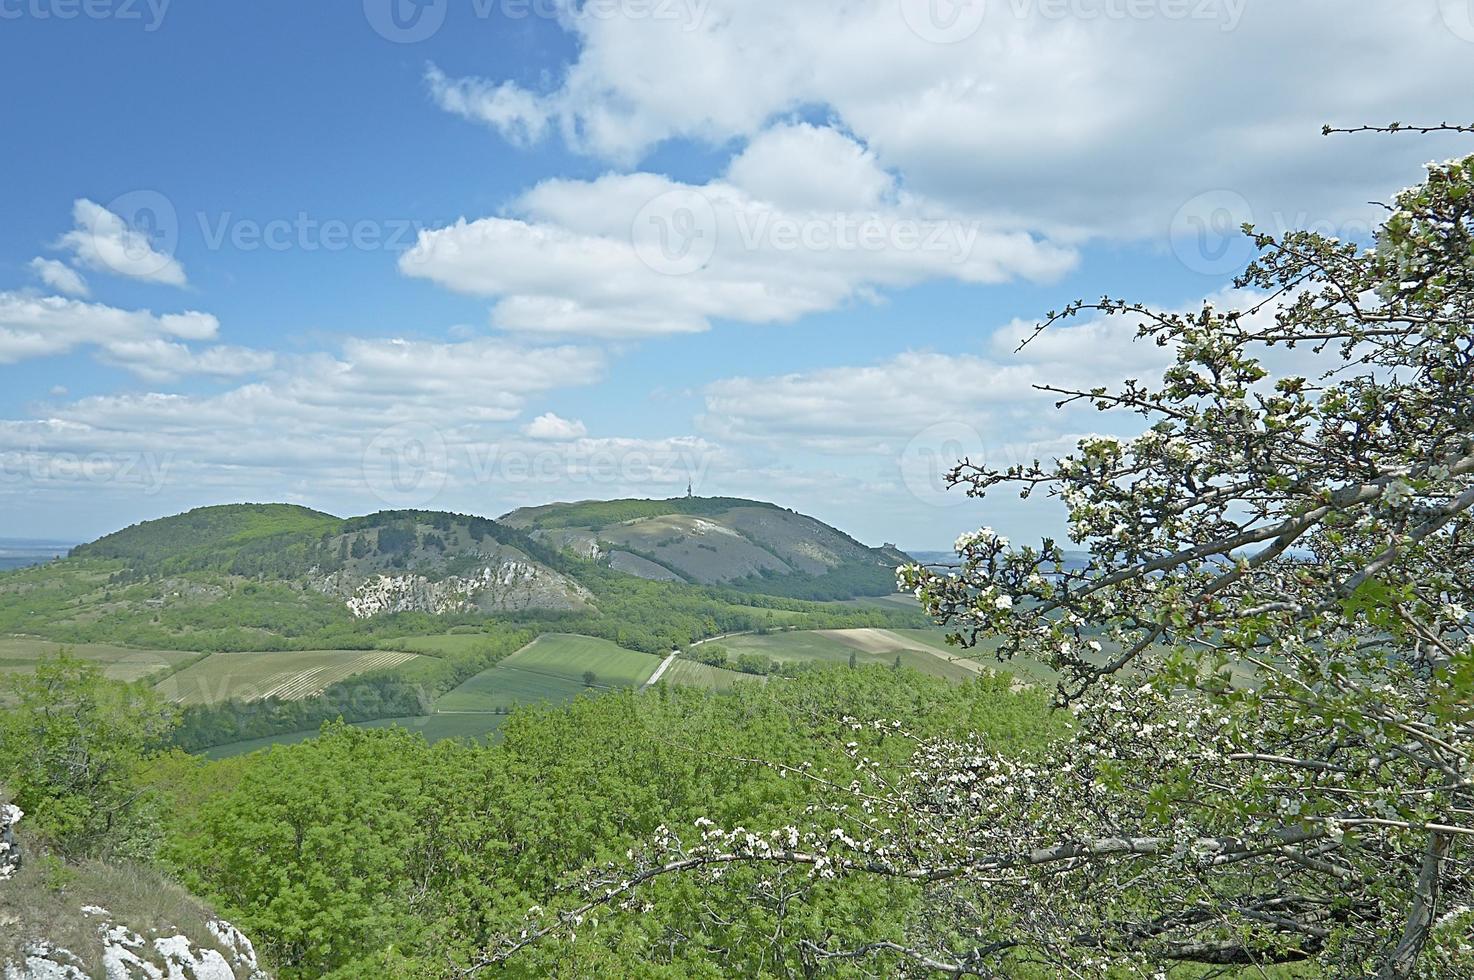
(45, 962)
(9, 850)
(126, 955)
(504, 585)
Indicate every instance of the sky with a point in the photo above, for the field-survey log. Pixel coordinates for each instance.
(473, 255)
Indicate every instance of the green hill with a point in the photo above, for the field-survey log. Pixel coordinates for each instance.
(743, 544)
(269, 619)
(262, 577)
(201, 537)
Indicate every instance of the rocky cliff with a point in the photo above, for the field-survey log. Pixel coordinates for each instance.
(51, 930)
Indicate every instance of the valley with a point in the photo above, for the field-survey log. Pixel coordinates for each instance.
(260, 622)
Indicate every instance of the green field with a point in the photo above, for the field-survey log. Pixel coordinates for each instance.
(444, 644)
(21, 654)
(982, 656)
(435, 728)
(290, 676)
(550, 669)
(868, 646)
(689, 673)
(888, 602)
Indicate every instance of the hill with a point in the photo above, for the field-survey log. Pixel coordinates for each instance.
(270, 577)
(255, 577)
(392, 562)
(742, 544)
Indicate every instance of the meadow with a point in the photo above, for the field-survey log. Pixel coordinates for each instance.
(290, 676)
(922, 650)
(550, 669)
(689, 673)
(21, 654)
(477, 726)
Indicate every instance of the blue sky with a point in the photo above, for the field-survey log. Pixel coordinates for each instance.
(508, 327)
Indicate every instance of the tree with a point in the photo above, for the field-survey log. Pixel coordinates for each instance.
(72, 749)
(1268, 654)
(328, 850)
(1281, 565)
(854, 660)
(590, 678)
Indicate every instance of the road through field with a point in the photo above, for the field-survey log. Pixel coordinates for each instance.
(660, 671)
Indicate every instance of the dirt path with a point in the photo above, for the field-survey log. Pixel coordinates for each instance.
(660, 671)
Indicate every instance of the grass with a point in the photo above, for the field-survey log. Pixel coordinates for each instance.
(887, 602)
(45, 899)
(290, 676)
(21, 654)
(981, 655)
(445, 644)
(436, 728)
(569, 655)
(689, 673)
(923, 650)
(551, 669)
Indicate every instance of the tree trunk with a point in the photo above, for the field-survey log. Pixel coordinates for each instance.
(1403, 958)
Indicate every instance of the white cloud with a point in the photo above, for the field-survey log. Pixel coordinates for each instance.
(880, 409)
(1080, 118)
(153, 347)
(806, 167)
(60, 277)
(517, 114)
(103, 241)
(554, 428)
(333, 426)
(641, 255)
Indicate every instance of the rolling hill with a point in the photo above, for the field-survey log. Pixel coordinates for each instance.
(264, 620)
(742, 544)
(260, 577)
(392, 562)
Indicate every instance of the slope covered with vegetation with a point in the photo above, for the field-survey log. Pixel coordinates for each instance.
(372, 853)
(193, 604)
(741, 544)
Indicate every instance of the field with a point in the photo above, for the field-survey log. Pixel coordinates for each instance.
(550, 669)
(435, 728)
(923, 650)
(689, 673)
(289, 676)
(20, 654)
(888, 602)
(451, 644)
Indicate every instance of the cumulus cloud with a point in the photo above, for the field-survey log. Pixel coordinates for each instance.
(1092, 117)
(898, 426)
(151, 346)
(641, 254)
(103, 241)
(368, 423)
(554, 428)
(880, 409)
(60, 277)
